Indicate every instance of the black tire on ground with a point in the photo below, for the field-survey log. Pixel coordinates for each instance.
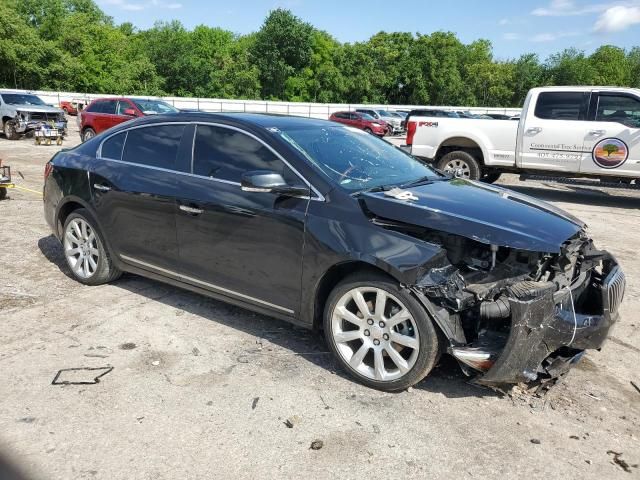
(368, 130)
(490, 177)
(106, 271)
(10, 131)
(429, 345)
(88, 133)
(461, 160)
(3, 193)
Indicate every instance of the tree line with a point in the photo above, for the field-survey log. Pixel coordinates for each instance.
(72, 45)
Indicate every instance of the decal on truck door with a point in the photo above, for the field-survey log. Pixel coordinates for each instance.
(610, 153)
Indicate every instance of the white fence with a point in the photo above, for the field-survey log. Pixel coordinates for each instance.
(313, 110)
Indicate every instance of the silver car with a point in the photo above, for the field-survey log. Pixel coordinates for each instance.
(394, 121)
(23, 112)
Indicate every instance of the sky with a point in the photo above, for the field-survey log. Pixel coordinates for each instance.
(513, 27)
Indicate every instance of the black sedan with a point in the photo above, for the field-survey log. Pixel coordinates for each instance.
(328, 227)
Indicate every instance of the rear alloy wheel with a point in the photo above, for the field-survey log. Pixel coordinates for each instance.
(84, 251)
(88, 134)
(380, 333)
(10, 131)
(460, 164)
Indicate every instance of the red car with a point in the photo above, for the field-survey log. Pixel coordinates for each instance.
(362, 121)
(104, 113)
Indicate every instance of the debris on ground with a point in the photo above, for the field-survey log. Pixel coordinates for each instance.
(618, 460)
(128, 346)
(155, 363)
(80, 376)
(292, 421)
(316, 445)
(535, 441)
(635, 385)
(254, 404)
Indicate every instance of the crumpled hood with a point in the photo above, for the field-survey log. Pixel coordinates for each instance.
(36, 108)
(481, 212)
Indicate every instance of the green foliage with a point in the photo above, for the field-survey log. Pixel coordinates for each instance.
(610, 148)
(72, 45)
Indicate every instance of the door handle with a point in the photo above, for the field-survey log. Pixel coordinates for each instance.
(102, 188)
(534, 130)
(191, 210)
(597, 133)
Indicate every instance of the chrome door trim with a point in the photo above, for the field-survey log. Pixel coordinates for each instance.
(210, 286)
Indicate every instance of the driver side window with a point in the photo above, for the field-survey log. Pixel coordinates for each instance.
(225, 154)
(619, 108)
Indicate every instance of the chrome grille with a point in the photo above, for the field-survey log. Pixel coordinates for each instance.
(613, 290)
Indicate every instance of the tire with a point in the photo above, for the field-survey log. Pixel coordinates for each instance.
(3, 193)
(88, 134)
(386, 365)
(368, 130)
(66, 110)
(10, 131)
(490, 177)
(461, 164)
(84, 250)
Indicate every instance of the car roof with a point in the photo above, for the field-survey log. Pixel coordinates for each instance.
(261, 120)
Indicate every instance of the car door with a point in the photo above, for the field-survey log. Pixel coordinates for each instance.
(613, 137)
(554, 132)
(124, 105)
(244, 245)
(134, 192)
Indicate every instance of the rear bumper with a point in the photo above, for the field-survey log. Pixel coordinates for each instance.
(547, 336)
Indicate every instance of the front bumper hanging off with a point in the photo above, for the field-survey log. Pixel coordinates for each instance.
(548, 334)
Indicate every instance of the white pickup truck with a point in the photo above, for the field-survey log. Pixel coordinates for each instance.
(562, 133)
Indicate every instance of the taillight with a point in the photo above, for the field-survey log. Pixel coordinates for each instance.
(48, 168)
(411, 131)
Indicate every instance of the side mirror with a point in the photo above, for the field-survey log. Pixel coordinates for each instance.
(130, 112)
(267, 181)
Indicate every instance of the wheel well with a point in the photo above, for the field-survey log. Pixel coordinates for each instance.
(460, 144)
(5, 118)
(64, 212)
(329, 280)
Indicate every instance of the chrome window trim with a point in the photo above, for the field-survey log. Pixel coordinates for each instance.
(135, 127)
(318, 196)
(211, 286)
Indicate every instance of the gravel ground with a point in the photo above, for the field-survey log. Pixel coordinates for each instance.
(203, 389)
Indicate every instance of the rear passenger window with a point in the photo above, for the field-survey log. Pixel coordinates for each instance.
(112, 147)
(562, 105)
(156, 146)
(226, 154)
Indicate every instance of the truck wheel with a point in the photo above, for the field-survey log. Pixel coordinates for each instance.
(10, 131)
(490, 177)
(3, 193)
(460, 164)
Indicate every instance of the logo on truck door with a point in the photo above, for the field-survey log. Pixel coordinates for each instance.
(610, 153)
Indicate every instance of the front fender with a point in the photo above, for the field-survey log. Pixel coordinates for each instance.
(331, 242)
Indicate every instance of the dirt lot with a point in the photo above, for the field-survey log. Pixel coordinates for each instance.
(200, 389)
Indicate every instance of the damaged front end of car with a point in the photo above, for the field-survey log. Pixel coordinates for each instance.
(512, 315)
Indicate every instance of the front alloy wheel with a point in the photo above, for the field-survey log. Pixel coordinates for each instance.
(380, 333)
